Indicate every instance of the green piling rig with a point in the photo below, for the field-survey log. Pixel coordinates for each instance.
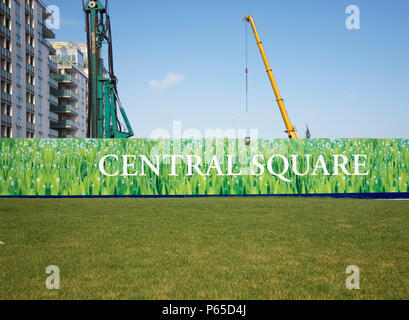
(103, 99)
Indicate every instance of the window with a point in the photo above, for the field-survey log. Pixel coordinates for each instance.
(19, 96)
(18, 32)
(18, 16)
(40, 103)
(6, 132)
(18, 74)
(19, 119)
(40, 123)
(18, 54)
(39, 16)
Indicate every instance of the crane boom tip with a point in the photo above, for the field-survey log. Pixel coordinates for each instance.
(247, 18)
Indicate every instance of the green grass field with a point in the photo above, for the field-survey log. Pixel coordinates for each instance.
(207, 248)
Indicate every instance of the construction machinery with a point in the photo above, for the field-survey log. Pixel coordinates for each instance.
(103, 103)
(290, 129)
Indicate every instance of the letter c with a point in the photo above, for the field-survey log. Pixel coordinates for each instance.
(102, 162)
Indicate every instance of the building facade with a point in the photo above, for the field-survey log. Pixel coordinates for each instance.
(72, 92)
(26, 70)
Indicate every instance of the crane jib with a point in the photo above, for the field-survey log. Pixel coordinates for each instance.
(290, 129)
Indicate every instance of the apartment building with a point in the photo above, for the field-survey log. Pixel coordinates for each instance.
(72, 92)
(26, 70)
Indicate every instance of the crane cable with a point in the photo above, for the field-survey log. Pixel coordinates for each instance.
(247, 70)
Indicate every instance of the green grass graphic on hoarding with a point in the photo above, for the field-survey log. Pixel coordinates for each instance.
(70, 167)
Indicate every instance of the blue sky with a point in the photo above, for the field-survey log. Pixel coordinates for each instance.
(342, 83)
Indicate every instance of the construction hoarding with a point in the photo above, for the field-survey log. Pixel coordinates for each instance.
(142, 167)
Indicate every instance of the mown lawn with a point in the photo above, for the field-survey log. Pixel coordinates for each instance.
(204, 248)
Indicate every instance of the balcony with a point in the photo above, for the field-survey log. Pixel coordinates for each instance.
(4, 9)
(5, 97)
(30, 87)
(53, 117)
(5, 75)
(47, 33)
(66, 109)
(52, 133)
(6, 119)
(53, 100)
(29, 9)
(5, 53)
(46, 13)
(30, 126)
(66, 79)
(66, 94)
(30, 107)
(50, 48)
(52, 65)
(30, 68)
(53, 84)
(69, 66)
(30, 49)
(64, 124)
(30, 29)
(5, 31)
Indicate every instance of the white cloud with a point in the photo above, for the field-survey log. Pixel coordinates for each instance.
(170, 80)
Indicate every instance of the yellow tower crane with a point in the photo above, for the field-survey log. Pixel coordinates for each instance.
(290, 129)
